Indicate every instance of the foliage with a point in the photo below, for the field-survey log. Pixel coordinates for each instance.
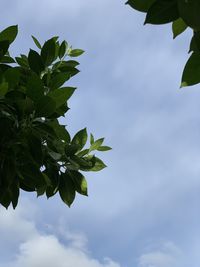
(182, 14)
(36, 151)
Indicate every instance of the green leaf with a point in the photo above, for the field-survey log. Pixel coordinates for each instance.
(189, 12)
(79, 182)
(71, 63)
(91, 139)
(8, 182)
(41, 190)
(54, 155)
(61, 111)
(4, 45)
(9, 34)
(76, 52)
(191, 73)
(84, 163)
(60, 130)
(96, 144)
(71, 149)
(58, 80)
(45, 106)
(35, 148)
(178, 27)
(12, 77)
(99, 165)
(61, 95)
(14, 189)
(80, 138)
(104, 148)
(68, 70)
(83, 153)
(25, 106)
(35, 61)
(7, 59)
(162, 11)
(30, 175)
(62, 49)
(37, 43)
(67, 189)
(44, 129)
(195, 42)
(140, 5)
(22, 61)
(48, 51)
(5, 198)
(35, 88)
(3, 89)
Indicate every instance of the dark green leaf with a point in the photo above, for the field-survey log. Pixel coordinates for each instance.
(4, 45)
(3, 89)
(60, 111)
(189, 12)
(71, 149)
(48, 51)
(45, 106)
(7, 178)
(195, 43)
(5, 198)
(71, 63)
(35, 88)
(25, 105)
(41, 190)
(60, 130)
(31, 176)
(14, 189)
(9, 34)
(191, 73)
(91, 139)
(67, 70)
(22, 61)
(54, 155)
(61, 95)
(66, 65)
(79, 182)
(7, 59)
(63, 49)
(35, 61)
(162, 11)
(140, 5)
(35, 148)
(12, 77)
(67, 189)
(80, 138)
(37, 43)
(44, 129)
(58, 80)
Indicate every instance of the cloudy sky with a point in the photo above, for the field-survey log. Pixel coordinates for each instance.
(143, 210)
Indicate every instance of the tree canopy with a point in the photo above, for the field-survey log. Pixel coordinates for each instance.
(36, 151)
(182, 14)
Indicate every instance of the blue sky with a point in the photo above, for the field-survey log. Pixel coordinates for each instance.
(143, 210)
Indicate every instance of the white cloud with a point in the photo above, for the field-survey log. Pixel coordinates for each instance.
(47, 251)
(34, 248)
(167, 256)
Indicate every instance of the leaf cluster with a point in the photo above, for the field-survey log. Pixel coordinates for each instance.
(182, 14)
(36, 151)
